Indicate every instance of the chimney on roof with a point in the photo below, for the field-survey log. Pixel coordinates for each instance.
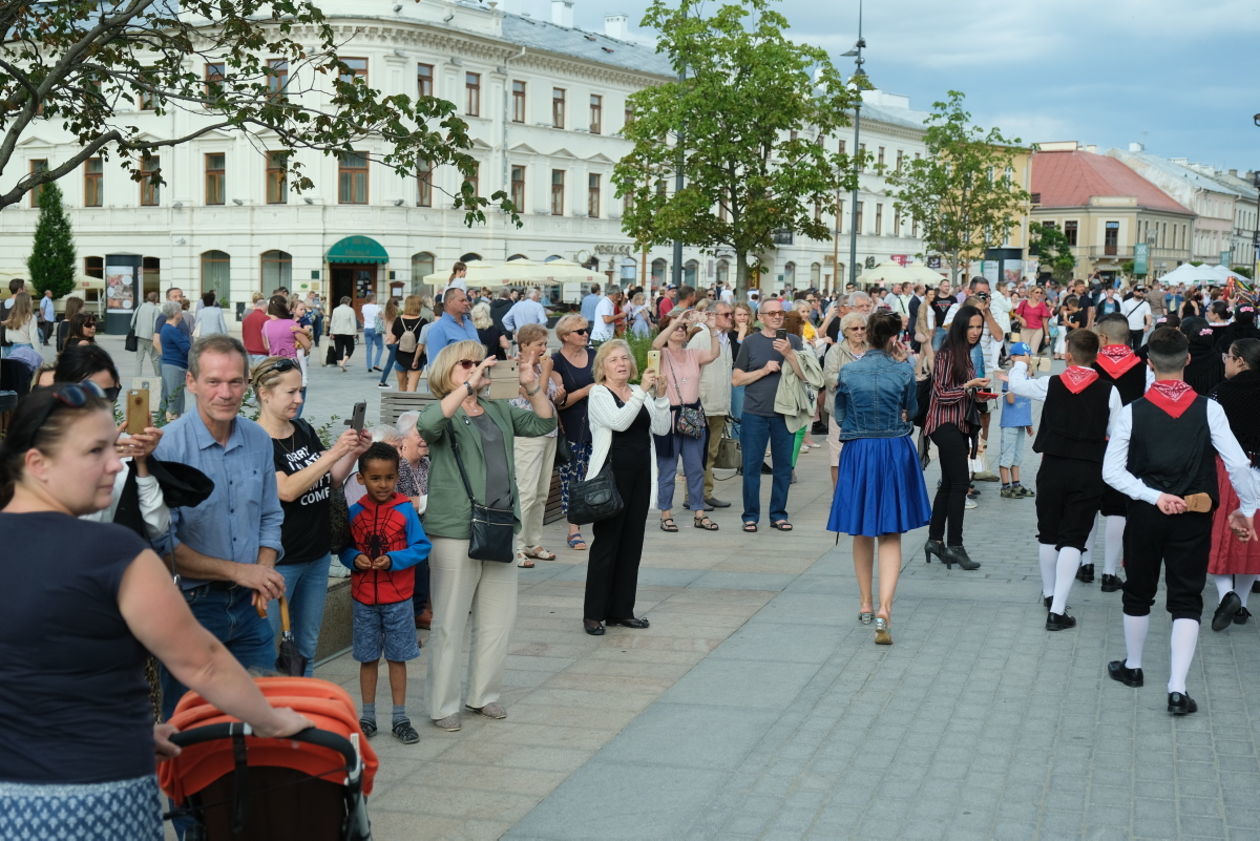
(1234, 172)
(562, 13)
(1136, 147)
(615, 26)
(1091, 148)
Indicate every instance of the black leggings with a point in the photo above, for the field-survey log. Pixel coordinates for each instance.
(953, 448)
(344, 343)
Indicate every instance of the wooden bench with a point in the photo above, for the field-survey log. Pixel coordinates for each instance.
(394, 403)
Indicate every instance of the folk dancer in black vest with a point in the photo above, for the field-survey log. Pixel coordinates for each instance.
(1079, 406)
(1162, 455)
(1120, 366)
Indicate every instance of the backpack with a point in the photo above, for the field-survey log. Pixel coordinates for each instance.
(408, 342)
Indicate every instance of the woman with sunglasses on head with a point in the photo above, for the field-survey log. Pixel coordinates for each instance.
(484, 431)
(87, 600)
(680, 371)
(952, 419)
(573, 374)
(306, 476)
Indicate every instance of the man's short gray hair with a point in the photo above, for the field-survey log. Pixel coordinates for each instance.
(169, 308)
(856, 298)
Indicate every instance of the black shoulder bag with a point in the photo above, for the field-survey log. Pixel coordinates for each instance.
(491, 536)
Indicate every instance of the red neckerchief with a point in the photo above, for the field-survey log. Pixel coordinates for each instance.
(1077, 379)
(1116, 360)
(1173, 396)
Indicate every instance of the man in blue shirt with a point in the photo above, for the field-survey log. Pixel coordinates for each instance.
(589, 302)
(528, 310)
(455, 325)
(227, 547)
(47, 316)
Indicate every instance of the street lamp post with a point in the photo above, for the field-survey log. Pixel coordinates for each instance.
(858, 78)
(1255, 241)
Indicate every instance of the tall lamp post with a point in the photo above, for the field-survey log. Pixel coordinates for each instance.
(1255, 242)
(858, 79)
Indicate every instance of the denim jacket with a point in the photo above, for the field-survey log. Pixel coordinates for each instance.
(871, 395)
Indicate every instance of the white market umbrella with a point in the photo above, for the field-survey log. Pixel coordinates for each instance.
(922, 274)
(1191, 275)
(886, 273)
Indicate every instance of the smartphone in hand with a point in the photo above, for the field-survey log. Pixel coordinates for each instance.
(137, 410)
(357, 416)
(780, 333)
(654, 361)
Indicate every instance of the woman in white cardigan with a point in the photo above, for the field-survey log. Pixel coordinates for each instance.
(623, 418)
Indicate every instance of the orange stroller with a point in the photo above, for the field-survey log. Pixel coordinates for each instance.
(239, 787)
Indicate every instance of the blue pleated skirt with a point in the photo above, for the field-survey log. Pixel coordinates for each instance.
(880, 488)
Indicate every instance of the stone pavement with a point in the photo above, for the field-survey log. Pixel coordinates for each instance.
(756, 706)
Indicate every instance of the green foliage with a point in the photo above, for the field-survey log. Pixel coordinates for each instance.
(1127, 267)
(84, 65)
(1245, 271)
(753, 117)
(52, 261)
(1052, 246)
(962, 192)
(639, 347)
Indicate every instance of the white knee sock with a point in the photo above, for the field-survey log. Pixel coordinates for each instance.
(1087, 557)
(1242, 586)
(1048, 559)
(1135, 628)
(1113, 544)
(1224, 583)
(1184, 638)
(1069, 561)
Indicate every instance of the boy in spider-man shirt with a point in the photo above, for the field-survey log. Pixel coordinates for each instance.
(387, 541)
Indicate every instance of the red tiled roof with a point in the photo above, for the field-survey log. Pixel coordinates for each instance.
(1070, 179)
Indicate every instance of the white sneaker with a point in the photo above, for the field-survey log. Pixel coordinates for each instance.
(970, 504)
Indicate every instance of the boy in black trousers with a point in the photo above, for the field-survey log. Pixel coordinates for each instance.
(1162, 455)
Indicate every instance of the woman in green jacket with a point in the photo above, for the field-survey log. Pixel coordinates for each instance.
(484, 430)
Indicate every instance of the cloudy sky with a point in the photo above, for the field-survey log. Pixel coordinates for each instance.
(1181, 77)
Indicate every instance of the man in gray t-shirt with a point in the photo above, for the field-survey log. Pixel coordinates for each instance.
(758, 369)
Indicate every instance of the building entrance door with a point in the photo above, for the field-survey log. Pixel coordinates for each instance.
(354, 280)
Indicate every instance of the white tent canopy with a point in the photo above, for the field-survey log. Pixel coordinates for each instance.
(1194, 275)
(886, 273)
(922, 274)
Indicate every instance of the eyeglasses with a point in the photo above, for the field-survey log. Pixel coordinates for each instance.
(772, 313)
(468, 364)
(1225, 357)
(856, 330)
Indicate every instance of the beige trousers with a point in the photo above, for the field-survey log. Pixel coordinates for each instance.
(716, 424)
(459, 584)
(535, 459)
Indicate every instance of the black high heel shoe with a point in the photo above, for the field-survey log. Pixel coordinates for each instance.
(934, 547)
(958, 555)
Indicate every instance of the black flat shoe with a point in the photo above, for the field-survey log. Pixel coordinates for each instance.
(1111, 583)
(593, 627)
(1179, 703)
(1059, 621)
(1117, 670)
(1085, 574)
(1241, 617)
(1225, 611)
(638, 624)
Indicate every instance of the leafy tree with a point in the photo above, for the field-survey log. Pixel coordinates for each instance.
(753, 115)
(268, 68)
(1055, 252)
(52, 261)
(1245, 271)
(962, 192)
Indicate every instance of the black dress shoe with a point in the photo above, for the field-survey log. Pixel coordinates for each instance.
(638, 624)
(593, 627)
(1085, 574)
(1255, 586)
(1179, 703)
(1241, 617)
(714, 502)
(958, 555)
(1117, 670)
(1225, 611)
(1059, 621)
(1111, 583)
(766, 469)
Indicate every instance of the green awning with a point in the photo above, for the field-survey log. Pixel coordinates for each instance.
(358, 250)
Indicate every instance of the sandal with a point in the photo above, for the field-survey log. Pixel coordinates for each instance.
(781, 525)
(524, 562)
(576, 541)
(750, 528)
(539, 554)
(368, 726)
(704, 523)
(668, 524)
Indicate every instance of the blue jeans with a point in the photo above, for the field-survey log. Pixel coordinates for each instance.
(755, 431)
(375, 344)
(392, 350)
(306, 585)
(319, 328)
(227, 613)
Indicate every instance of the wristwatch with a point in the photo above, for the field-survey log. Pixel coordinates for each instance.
(470, 389)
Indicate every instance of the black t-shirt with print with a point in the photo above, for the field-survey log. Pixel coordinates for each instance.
(305, 533)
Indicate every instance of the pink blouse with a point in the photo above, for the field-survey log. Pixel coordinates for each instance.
(681, 373)
(279, 333)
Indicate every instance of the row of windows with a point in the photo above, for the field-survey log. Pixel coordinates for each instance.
(1157, 233)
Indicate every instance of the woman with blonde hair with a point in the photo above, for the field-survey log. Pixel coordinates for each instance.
(485, 432)
(535, 457)
(491, 334)
(639, 315)
(850, 348)
(408, 359)
(572, 373)
(623, 419)
(21, 328)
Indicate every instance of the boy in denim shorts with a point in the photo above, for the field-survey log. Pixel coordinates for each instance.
(387, 541)
(1016, 426)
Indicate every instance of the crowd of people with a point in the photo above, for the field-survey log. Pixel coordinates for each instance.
(178, 541)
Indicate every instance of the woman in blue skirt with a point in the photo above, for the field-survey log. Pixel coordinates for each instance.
(880, 493)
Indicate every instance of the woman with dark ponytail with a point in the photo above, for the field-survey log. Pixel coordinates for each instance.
(85, 601)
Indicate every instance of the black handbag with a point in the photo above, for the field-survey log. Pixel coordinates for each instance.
(131, 343)
(595, 499)
(564, 452)
(492, 535)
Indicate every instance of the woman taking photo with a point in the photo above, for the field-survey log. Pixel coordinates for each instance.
(1235, 566)
(535, 456)
(880, 494)
(484, 431)
(1033, 314)
(408, 356)
(850, 348)
(343, 326)
(952, 419)
(306, 475)
(175, 347)
(78, 757)
(623, 419)
(21, 328)
(680, 370)
(572, 374)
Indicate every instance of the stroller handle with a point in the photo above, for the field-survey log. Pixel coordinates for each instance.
(310, 736)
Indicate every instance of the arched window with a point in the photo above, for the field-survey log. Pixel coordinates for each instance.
(691, 268)
(659, 267)
(216, 274)
(723, 272)
(277, 271)
(517, 257)
(789, 275)
(552, 257)
(469, 257)
(815, 275)
(629, 271)
(421, 265)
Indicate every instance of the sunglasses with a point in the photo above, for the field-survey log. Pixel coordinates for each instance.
(772, 313)
(468, 364)
(72, 395)
(582, 332)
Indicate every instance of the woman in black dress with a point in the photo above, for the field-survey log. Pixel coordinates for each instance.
(572, 373)
(408, 361)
